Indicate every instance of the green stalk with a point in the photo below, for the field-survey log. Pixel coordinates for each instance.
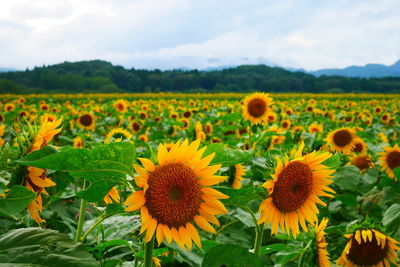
(82, 212)
(258, 241)
(250, 139)
(99, 221)
(148, 253)
(304, 254)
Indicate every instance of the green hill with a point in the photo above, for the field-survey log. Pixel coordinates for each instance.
(102, 76)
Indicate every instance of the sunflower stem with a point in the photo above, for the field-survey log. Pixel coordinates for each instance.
(82, 212)
(304, 254)
(250, 139)
(99, 221)
(259, 238)
(148, 253)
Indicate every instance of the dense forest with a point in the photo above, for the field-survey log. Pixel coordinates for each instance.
(102, 76)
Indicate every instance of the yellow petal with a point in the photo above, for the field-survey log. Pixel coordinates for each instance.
(148, 164)
(203, 224)
(135, 201)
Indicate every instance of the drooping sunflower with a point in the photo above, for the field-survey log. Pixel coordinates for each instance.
(368, 247)
(36, 179)
(176, 194)
(294, 190)
(86, 121)
(112, 195)
(256, 108)
(117, 135)
(362, 162)
(236, 173)
(390, 159)
(342, 140)
(323, 255)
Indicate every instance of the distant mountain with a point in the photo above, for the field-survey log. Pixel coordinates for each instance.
(367, 71)
(6, 69)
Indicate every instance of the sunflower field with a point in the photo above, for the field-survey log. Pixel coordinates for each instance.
(200, 180)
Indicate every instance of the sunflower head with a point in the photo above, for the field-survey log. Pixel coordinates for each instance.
(78, 142)
(359, 146)
(121, 105)
(362, 161)
(117, 135)
(368, 247)
(176, 194)
(256, 108)
(390, 159)
(342, 140)
(86, 121)
(235, 175)
(294, 190)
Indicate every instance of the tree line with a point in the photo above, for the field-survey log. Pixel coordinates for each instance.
(101, 77)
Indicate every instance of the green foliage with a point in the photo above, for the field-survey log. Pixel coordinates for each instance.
(42, 247)
(230, 256)
(104, 166)
(227, 156)
(16, 200)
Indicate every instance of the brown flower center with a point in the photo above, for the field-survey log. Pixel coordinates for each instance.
(120, 107)
(342, 138)
(361, 162)
(393, 159)
(86, 120)
(293, 187)
(187, 114)
(136, 126)
(174, 194)
(358, 147)
(367, 253)
(257, 107)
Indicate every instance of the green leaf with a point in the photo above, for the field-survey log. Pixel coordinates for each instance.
(391, 218)
(397, 173)
(333, 162)
(16, 200)
(272, 248)
(230, 256)
(36, 155)
(43, 247)
(104, 166)
(348, 178)
(155, 253)
(227, 156)
(241, 196)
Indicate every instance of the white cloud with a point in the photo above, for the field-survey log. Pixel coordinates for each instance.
(200, 34)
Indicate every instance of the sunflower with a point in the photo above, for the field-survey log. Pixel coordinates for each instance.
(176, 194)
(368, 247)
(117, 134)
(316, 128)
(121, 105)
(112, 195)
(44, 107)
(236, 173)
(135, 126)
(78, 142)
(9, 107)
(342, 140)
(390, 159)
(256, 108)
(286, 124)
(208, 128)
(362, 162)
(294, 191)
(185, 122)
(359, 146)
(86, 121)
(36, 179)
(323, 255)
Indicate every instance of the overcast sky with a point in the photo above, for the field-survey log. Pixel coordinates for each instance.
(169, 34)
